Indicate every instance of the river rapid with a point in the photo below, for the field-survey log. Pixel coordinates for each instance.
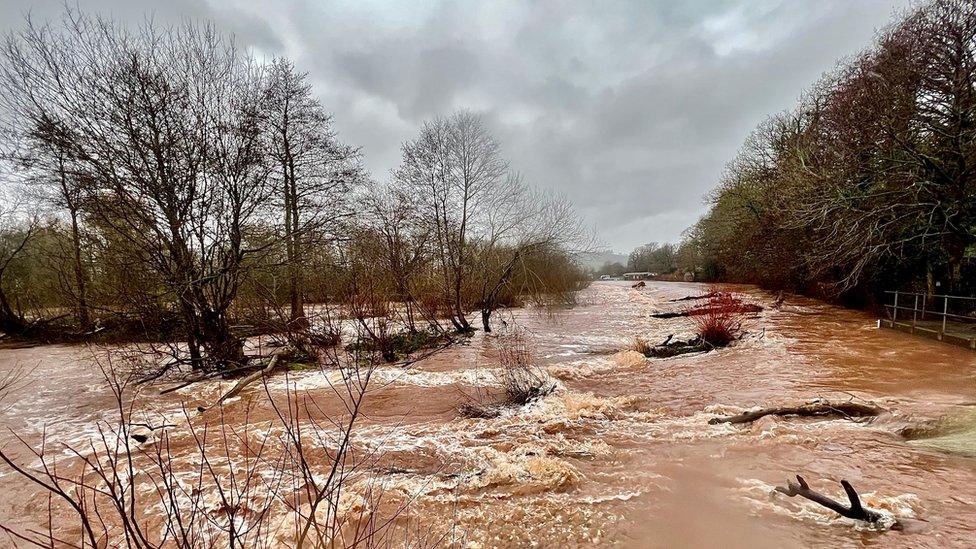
(622, 453)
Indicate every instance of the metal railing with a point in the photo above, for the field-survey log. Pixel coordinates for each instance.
(943, 314)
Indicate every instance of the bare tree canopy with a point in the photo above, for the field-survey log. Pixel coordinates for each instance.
(869, 181)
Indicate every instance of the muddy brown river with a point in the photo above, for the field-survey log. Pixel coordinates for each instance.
(622, 454)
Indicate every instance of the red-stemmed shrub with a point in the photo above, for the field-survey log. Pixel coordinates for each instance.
(719, 322)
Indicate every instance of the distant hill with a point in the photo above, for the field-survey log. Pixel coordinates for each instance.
(595, 260)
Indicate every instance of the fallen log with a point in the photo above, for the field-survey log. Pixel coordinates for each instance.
(145, 430)
(740, 308)
(669, 314)
(709, 295)
(724, 308)
(847, 410)
(250, 378)
(855, 511)
(670, 348)
(208, 375)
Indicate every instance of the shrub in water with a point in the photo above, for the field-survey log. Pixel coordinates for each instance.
(720, 322)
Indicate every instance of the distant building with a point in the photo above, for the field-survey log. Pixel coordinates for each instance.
(643, 275)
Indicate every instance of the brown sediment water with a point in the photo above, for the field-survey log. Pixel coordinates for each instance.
(622, 453)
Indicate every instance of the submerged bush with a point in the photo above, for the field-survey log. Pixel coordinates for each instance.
(642, 346)
(400, 345)
(521, 381)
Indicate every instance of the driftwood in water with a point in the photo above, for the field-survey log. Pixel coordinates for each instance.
(726, 308)
(709, 295)
(669, 348)
(640, 284)
(814, 409)
(716, 309)
(252, 365)
(855, 511)
(251, 378)
(144, 430)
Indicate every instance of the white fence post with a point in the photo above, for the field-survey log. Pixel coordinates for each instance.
(914, 313)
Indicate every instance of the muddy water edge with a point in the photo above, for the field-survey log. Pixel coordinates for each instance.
(622, 453)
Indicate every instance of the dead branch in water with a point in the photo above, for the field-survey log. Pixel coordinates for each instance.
(697, 297)
(855, 511)
(252, 377)
(741, 308)
(669, 347)
(847, 410)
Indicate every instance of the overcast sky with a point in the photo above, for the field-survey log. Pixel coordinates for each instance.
(631, 109)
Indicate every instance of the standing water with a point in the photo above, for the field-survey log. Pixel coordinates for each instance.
(622, 453)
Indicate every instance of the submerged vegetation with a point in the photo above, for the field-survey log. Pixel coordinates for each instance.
(717, 321)
(521, 381)
(164, 189)
(400, 345)
(168, 186)
(161, 185)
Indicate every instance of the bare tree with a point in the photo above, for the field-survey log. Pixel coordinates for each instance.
(456, 169)
(404, 241)
(313, 170)
(17, 228)
(533, 224)
(54, 182)
(163, 126)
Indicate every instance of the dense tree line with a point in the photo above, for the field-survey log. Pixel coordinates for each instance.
(653, 257)
(164, 180)
(868, 184)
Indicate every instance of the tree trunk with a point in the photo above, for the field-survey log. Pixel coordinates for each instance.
(855, 510)
(82, 306)
(490, 300)
(929, 280)
(224, 349)
(814, 409)
(192, 334)
(454, 321)
(955, 247)
(462, 322)
(10, 322)
(290, 190)
(294, 260)
(68, 194)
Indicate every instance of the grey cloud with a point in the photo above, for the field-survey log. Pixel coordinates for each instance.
(250, 28)
(417, 81)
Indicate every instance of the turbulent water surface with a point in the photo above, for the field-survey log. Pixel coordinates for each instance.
(622, 453)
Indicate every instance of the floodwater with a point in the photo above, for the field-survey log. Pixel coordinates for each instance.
(621, 454)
